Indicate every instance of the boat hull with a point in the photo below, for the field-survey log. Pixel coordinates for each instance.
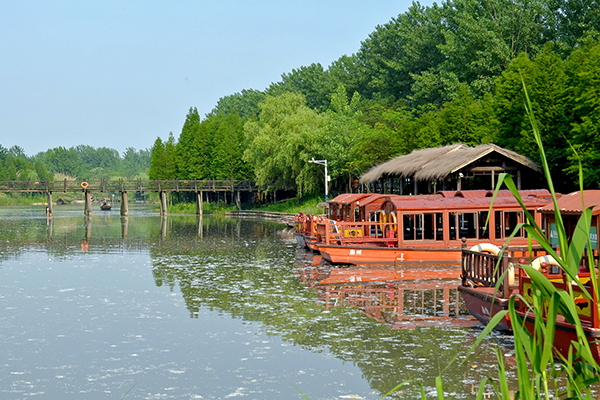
(389, 255)
(565, 333)
(483, 305)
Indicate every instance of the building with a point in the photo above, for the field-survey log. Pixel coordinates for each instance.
(453, 167)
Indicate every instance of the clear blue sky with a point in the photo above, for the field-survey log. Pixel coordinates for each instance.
(122, 73)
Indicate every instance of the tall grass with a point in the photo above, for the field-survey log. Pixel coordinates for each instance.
(539, 374)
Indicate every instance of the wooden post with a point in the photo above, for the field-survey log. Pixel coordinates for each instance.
(124, 205)
(49, 209)
(199, 210)
(88, 203)
(237, 200)
(163, 203)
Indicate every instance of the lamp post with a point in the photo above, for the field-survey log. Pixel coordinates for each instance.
(322, 162)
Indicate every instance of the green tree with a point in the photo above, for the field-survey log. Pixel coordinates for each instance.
(312, 82)
(282, 141)
(583, 70)
(158, 160)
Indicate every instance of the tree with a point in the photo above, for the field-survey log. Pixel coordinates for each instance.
(583, 70)
(158, 160)
(312, 82)
(282, 141)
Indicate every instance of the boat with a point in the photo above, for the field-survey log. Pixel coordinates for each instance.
(479, 278)
(426, 230)
(105, 204)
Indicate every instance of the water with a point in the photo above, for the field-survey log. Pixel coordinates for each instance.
(174, 309)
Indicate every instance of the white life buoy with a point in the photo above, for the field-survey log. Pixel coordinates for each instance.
(487, 248)
(495, 250)
(537, 263)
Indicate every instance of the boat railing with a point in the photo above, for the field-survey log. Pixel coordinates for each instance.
(334, 232)
(586, 310)
(486, 269)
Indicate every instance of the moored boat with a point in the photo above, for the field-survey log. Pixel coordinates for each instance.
(483, 301)
(426, 230)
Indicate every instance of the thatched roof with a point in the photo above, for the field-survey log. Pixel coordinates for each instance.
(439, 162)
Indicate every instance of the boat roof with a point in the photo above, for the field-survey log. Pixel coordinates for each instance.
(465, 203)
(572, 203)
(490, 193)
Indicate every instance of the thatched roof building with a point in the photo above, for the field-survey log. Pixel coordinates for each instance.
(455, 163)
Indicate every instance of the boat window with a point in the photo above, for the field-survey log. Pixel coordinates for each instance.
(467, 225)
(439, 226)
(484, 231)
(356, 214)
(408, 224)
(511, 220)
(428, 226)
(452, 225)
(506, 222)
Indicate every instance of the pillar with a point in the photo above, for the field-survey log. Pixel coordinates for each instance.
(199, 210)
(124, 204)
(49, 209)
(163, 203)
(88, 203)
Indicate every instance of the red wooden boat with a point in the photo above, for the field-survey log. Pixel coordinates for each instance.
(425, 230)
(479, 278)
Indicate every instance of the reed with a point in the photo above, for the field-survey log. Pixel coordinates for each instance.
(539, 374)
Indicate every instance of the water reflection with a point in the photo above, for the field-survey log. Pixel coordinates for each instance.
(401, 298)
(140, 297)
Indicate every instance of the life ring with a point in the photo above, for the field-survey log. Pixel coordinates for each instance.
(382, 221)
(394, 221)
(487, 248)
(537, 263)
(84, 184)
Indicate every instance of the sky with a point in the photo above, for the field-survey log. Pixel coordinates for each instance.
(119, 74)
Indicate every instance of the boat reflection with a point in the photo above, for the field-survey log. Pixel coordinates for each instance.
(400, 298)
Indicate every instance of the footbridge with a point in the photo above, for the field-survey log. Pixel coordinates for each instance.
(162, 187)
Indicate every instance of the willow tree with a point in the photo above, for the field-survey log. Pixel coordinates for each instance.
(281, 142)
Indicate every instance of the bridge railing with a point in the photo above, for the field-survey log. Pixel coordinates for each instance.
(102, 185)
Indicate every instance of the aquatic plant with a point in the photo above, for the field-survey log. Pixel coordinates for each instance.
(537, 370)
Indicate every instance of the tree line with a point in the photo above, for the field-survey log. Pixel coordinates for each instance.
(79, 162)
(431, 76)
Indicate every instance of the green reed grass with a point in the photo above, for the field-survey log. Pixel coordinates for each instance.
(538, 372)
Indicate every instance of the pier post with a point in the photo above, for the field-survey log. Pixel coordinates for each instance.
(124, 205)
(49, 209)
(163, 202)
(199, 210)
(88, 203)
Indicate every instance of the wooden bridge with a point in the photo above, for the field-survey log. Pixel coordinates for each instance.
(162, 187)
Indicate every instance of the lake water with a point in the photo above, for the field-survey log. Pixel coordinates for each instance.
(177, 309)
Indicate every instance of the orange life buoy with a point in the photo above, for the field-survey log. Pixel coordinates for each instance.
(84, 184)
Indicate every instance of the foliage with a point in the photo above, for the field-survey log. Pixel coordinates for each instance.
(538, 374)
(429, 77)
(282, 141)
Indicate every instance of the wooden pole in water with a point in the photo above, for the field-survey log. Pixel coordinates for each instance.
(199, 210)
(49, 209)
(88, 203)
(163, 203)
(124, 205)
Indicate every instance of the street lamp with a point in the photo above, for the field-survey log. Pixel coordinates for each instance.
(322, 162)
